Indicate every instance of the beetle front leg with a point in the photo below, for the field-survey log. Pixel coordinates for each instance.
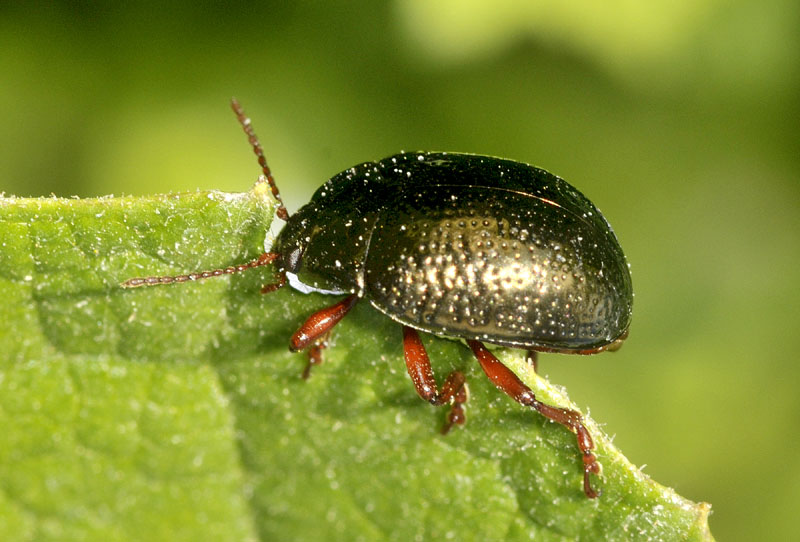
(454, 391)
(269, 288)
(314, 331)
(507, 381)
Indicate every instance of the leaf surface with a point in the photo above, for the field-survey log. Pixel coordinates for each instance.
(177, 412)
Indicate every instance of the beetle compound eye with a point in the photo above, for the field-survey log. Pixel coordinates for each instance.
(293, 259)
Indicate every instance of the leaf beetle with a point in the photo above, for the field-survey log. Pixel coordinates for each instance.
(458, 245)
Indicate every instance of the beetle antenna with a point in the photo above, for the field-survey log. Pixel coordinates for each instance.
(265, 259)
(247, 126)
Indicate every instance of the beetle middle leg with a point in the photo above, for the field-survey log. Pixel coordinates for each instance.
(507, 381)
(454, 392)
(315, 330)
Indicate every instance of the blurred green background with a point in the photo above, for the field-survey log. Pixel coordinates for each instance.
(679, 119)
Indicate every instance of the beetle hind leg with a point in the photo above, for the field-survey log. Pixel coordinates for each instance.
(454, 391)
(507, 381)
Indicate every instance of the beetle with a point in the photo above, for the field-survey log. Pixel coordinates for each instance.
(458, 245)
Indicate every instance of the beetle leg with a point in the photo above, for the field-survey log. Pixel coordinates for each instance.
(314, 331)
(315, 354)
(507, 381)
(269, 288)
(454, 392)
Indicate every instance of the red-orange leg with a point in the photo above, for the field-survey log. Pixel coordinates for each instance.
(315, 354)
(269, 288)
(314, 332)
(508, 382)
(454, 392)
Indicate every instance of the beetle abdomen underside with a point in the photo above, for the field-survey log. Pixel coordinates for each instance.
(500, 266)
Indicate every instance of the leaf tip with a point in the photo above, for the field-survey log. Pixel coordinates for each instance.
(701, 525)
(261, 189)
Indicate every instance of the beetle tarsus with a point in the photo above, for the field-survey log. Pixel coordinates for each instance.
(269, 288)
(457, 415)
(508, 382)
(315, 355)
(454, 391)
(590, 466)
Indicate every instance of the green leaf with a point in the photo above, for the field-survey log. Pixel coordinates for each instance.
(177, 412)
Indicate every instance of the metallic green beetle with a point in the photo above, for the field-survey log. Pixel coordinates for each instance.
(466, 246)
